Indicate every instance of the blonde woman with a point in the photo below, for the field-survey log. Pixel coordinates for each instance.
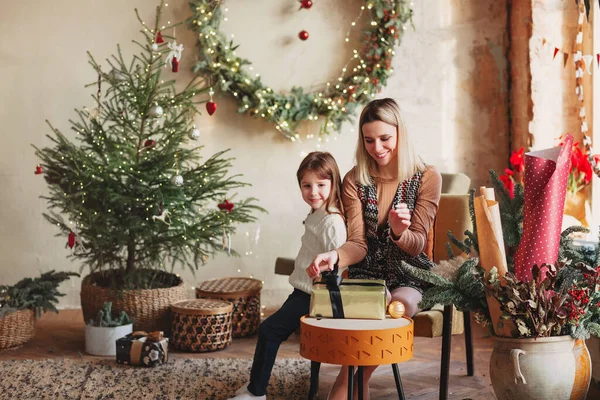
(390, 199)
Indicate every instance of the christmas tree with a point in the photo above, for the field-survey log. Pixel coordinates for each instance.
(135, 193)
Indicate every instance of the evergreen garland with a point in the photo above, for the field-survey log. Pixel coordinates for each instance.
(335, 103)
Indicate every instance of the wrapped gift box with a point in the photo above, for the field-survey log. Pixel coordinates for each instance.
(142, 348)
(360, 298)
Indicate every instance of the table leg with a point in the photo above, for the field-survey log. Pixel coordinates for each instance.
(350, 382)
(314, 379)
(360, 382)
(398, 381)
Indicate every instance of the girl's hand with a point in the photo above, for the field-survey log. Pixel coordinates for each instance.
(322, 262)
(399, 219)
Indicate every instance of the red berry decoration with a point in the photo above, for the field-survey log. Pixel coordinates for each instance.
(226, 205)
(303, 35)
(149, 143)
(175, 64)
(211, 107)
(38, 170)
(306, 4)
(159, 38)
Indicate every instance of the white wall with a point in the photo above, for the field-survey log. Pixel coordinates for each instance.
(450, 79)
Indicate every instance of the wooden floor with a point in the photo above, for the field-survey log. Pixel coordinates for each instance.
(62, 336)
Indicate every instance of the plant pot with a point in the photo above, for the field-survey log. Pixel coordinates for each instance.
(101, 341)
(149, 308)
(542, 368)
(16, 328)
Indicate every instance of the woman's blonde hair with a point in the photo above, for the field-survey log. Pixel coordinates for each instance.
(324, 166)
(409, 163)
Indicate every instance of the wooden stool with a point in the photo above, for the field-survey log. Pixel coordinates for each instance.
(243, 293)
(355, 342)
(201, 325)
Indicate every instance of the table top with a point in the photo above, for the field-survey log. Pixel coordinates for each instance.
(358, 342)
(349, 324)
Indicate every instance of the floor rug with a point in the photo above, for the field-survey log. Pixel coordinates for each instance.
(209, 378)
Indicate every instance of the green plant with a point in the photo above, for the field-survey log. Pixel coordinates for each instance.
(105, 319)
(40, 294)
(133, 187)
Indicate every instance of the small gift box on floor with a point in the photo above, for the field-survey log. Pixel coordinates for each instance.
(349, 298)
(143, 348)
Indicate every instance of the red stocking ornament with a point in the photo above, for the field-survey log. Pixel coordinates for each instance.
(175, 65)
(159, 38)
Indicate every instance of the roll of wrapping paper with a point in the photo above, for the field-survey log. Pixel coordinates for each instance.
(491, 250)
(545, 181)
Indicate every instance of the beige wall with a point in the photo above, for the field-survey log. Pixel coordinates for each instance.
(450, 79)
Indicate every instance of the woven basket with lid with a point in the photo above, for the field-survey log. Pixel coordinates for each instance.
(201, 325)
(243, 293)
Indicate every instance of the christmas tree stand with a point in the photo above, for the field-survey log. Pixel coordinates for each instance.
(149, 308)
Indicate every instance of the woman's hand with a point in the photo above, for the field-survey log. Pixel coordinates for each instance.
(322, 262)
(399, 219)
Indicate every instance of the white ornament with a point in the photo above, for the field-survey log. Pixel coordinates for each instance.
(154, 46)
(93, 113)
(194, 133)
(163, 217)
(116, 75)
(177, 180)
(175, 52)
(156, 111)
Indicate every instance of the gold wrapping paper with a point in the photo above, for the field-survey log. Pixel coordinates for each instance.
(363, 302)
(491, 249)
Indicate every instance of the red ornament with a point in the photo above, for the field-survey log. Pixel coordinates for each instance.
(149, 143)
(71, 240)
(38, 170)
(159, 38)
(306, 4)
(211, 107)
(303, 35)
(174, 65)
(226, 205)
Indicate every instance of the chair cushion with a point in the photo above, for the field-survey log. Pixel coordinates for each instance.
(430, 323)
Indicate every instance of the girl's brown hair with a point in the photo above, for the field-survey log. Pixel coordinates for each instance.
(323, 164)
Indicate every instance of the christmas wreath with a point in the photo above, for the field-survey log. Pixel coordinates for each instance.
(358, 83)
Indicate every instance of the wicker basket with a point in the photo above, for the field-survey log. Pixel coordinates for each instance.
(148, 307)
(201, 325)
(16, 329)
(243, 293)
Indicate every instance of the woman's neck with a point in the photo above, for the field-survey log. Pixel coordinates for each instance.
(389, 171)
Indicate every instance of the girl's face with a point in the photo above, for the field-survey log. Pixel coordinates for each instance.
(381, 141)
(315, 190)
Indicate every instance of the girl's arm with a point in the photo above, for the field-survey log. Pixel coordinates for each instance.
(414, 239)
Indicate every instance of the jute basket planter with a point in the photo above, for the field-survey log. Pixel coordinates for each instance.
(149, 308)
(16, 329)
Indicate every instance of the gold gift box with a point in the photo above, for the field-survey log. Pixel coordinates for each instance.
(361, 298)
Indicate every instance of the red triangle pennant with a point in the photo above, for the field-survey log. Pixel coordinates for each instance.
(598, 59)
(556, 50)
(566, 57)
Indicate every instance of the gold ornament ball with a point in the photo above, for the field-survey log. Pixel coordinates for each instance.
(396, 309)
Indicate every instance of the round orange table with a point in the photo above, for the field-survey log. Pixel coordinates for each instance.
(355, 342)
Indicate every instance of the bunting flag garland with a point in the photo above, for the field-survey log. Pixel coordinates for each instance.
(587, 58)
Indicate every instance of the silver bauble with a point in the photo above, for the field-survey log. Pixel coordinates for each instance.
(156, 111)
(177, 180)
(194, 133)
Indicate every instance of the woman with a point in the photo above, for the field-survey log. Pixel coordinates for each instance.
(390, 199)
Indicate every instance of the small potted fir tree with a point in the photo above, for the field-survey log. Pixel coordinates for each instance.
(134, 189)
(102, 332)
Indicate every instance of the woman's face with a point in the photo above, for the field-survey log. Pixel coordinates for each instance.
(381, 141)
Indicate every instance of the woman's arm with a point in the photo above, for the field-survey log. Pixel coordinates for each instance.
(414, 239)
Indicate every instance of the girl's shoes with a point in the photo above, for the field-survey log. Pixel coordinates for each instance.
(243, 394)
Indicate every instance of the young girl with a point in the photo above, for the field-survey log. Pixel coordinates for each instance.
(324, 230)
